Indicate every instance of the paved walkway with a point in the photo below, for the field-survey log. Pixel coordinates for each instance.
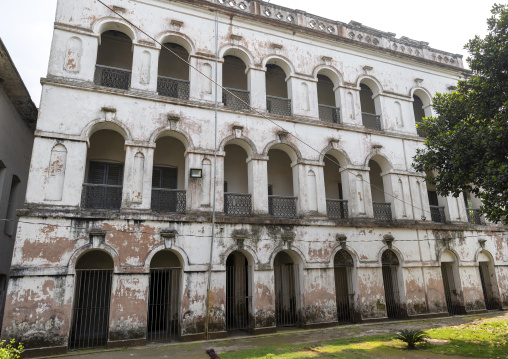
(196, 350)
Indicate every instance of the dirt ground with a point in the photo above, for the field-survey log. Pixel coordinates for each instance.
(196, 350)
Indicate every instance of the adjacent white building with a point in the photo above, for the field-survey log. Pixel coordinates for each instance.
(321, 218)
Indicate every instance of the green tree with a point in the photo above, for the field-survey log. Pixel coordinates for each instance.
(467, 142)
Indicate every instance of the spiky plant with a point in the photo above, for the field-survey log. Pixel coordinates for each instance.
(411, 337)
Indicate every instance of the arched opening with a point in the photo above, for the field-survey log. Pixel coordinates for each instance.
(114, 60)
(343, 266)
(419, 113)
(472, 203)
(277, 99)
(287, 291)
(382, 207)
(437, 204)
(370, 117)
(237, 200)
(328, 109)
(281, 198)
(92, 298)
(451, 283)
(336, 204)
(234, 80)
(238, 295)
(173, 72)
(390, 268)
(104, 171)
(488, 279)
(164, 297)
(168, 178)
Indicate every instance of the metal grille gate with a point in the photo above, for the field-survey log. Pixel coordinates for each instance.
(237, 297)
(390, 270)
(449, 288)
(91, 309)
(490, 302)
(343, 263)
(287, 292)
(163, 323)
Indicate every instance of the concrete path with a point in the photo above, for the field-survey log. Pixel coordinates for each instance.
(196, 350)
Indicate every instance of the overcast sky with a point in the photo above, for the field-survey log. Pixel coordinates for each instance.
(26, 25)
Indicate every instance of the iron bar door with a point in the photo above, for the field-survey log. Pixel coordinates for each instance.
(343, 264)
(286, 292)
(390, 269)
(237, 297)
(490, 302)
(451, 294)
(89, 328)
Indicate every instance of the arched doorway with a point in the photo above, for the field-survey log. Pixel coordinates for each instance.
(488, 279)
(343, 265)
(238, 295)
(287, 291)
(449, 272)
(390, 265)
(164, 295)
(92, 298)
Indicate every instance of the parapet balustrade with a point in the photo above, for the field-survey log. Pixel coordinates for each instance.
(112, 77)
(437, 213)
(474, 216)
(101, 196)
(371, 121)
(336, 208)
(237, 204)
(278, 105)
(170, 87)
(240, 102)
(282, 206)
(329, 114)
(382, 211)
(168, 200)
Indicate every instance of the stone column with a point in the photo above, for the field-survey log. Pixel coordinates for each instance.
(371, 293)
(145, 62)
(308, 181)
(303, 95)
(357, 191)
(397, 183)
(457, 209)
(137, 177)
(319, 303)
(258, 183)
(201, 88)
(256, 78)
(350, 109)
(264, 301)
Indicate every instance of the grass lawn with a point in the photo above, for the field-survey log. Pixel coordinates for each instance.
(479, 339)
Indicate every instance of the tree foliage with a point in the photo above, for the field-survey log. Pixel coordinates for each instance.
(467, 142)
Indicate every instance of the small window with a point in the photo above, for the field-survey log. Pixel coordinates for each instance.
(105, 173)
(433, 198)
(165, 177)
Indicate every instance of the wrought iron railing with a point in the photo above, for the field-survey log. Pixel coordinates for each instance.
(282, 206)
(278, 105)
(371, 121)
(336, 208)
(382, 211)
(168, 200)
(240, 103)
(170, 87)
(101, 196)
(237, 204)
(112, 77)
(329, 113)
(474, 216)
(437, 213)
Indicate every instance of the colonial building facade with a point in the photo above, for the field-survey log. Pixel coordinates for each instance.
(320, 217)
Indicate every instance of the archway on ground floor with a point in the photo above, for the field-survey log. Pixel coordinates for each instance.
(451, 282)
(391, 275)
(488, 279)
(92, 298)
(343, 266)
(287, 290)
(164, 297)
(238, 293)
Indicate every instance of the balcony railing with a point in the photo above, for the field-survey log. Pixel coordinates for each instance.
(474, 216)
(231, 101)
(329, 113)
(282, 206)
(170, 87)
(168, 200)
(237, 204)
(278, 105)
(336, 208)
(101, 196)
(112, 77)
(382, 211)
(437, 213)
(371, 121)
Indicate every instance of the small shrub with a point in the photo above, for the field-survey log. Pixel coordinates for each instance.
(9, 350)
(411, 337)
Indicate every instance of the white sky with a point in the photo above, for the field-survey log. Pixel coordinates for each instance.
(26, 25)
